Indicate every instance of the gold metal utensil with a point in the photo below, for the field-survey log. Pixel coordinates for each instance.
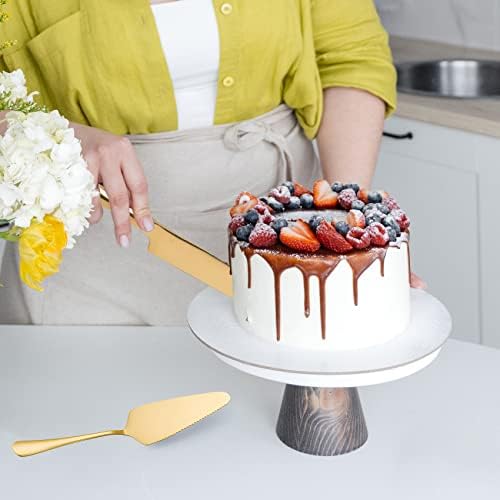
(183, 255)
(147, 424)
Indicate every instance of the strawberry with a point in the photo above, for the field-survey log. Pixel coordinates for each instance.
(384, 194)
(346, 197)
(300, 237)
(236, 222)
(358, 237)
(244, 202)
(378, 234)
(282, 194)
(363, 195)
(355, 218)
(391, 203)
(262, 208)
(263, 236)
(331, 239)
(323, 195)
(299, 189)
(401, 219)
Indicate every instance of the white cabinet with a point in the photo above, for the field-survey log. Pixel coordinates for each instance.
(436, 179)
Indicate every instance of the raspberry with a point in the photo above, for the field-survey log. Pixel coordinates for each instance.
(358, 237)
(355, 218)
(346, 197)
(261, 208)
(378, 234)
(236, 222)
(282, 194)
(391, 203)
(263, 236)
(401, 219)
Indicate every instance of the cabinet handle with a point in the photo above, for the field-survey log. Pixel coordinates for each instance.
(408, 135)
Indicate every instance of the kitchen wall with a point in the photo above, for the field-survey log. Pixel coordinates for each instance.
(470, 23)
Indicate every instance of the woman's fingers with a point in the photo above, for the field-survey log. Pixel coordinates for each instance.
(93, 166)
(417, 282)
(114, 184)
(135, 180)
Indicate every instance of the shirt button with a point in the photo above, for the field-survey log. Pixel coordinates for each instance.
(226, 8)
(228, 81)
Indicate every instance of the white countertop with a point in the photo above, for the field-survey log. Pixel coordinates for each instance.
(434, 435)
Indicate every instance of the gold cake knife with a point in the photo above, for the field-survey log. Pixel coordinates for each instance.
(184, 255)
(147, 424)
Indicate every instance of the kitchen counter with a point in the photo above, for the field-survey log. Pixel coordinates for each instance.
(481, 116)
(433, 435)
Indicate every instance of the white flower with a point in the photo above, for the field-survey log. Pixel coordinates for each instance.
(15, 83)
(42, 170)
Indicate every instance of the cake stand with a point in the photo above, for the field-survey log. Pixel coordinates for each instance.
(321, 412)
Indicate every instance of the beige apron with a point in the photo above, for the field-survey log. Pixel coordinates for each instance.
(193, 178)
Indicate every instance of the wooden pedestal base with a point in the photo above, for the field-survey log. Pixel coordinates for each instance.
(321, 421)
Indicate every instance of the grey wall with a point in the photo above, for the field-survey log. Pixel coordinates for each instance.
(470, 23)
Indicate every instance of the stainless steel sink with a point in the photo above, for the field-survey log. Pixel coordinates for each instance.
(462, 78)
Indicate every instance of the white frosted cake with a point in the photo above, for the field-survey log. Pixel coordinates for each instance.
(321, 269)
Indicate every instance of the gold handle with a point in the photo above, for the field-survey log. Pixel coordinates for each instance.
(28, 448)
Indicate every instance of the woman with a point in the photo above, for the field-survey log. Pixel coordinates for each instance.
(179, 106)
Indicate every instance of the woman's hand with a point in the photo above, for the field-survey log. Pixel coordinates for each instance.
(417, 282)
(112, 160)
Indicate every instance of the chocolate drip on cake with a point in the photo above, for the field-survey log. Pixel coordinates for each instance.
(320, 265)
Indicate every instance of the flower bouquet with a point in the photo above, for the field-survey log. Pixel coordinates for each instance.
(46, 189)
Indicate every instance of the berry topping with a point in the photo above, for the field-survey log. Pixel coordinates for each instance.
(282, 194)
(323, 195)
(275, 204)
(390, 222)
(263, 236)
(299, 189)
(353, 186)
(378, 234)
(331, 239)
(294, 203)
(357, 205)
(358, 237)
(391, 203)
(383, 208)
(392, 234)
(243, 233)
(355, 218)
(300, 237)
(363, 195)
(262, 208)
(346, 197)
(236, 222)
(252, 217)
(342, 227)
(278, 224)
(307, 200)
(314, 222)
(244, 202)
(401, 219)
(337, 187)
(374, 197)
(290, 186)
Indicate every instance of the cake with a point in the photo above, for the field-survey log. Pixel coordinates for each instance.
(326, 268)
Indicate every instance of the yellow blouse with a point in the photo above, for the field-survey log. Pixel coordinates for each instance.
(100, 62)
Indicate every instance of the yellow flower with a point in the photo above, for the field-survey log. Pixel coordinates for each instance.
(40, 251)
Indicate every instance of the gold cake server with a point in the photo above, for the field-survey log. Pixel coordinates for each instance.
(184, 255)
(147, 424)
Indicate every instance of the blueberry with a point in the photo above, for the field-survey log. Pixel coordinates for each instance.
(342, 227)
(290, 187)
(390, 222)
(383, 208)
(357, 205)
(307, 200)
(315, 221)
(251, 217)
(278, 224)
(294, 203)
(368, 207)
(243, 233)
(352, 186)
(374, 197)
(263, 199)
(275, 204)
(370, 219)
(392, 234)
(337, 187)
